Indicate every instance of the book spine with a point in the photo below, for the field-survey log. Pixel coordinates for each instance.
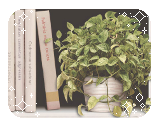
(30, 60)
(48, 61)
(19, 47)
(11, 82)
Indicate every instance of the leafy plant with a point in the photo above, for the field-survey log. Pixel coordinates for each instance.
(110, 47)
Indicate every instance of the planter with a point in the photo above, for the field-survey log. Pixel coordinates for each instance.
(114, 88)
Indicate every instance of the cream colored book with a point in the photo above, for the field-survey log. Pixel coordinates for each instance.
(11, 82)
(30, 60)
(19, 58)
(48, 60)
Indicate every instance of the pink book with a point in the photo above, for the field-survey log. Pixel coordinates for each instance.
(48, 61)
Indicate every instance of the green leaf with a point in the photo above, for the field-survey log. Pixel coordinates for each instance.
(102, 61)
(59, 81)
(103, 36)
(99, 18)
(77, 30)
(123, 74)
(148, 78)
(148, 102)
(122, 58)
(146, 109)
(103, 97)
(71, 94)
(84, 62)
(94, 38)
(108, 69)
(58, 34)
(65, 92)
(70, 26)
(48, 40)
(146, 36)
(58, 43)
(137, 33)
(92, 20)
(74, 47)
(65, 77)
(114, 45)
(139, 90)
(94, 58)
(89, 82)
(143, 40)
(74, 37)
(118, 30)
(131, 91)
(103, 47)
(62, 66)
(117, 50)
(82, 41)
(80, 57)
(132, 62)
(135, 58)
(110, 14)
(132, 44)
(141, 66)
(126, 85)
(71, 85)
(123, 102)
(63, 53)
(86, 49)
(79, 109)
(132, 37)
(92, 49)
(74, 64)
(125, 67)
(129, 107)
(79, 51)
(112, 60)
(117, 111)
(73, 73)
(64, 47)
(115, 98)
(88, 24)
(92, 102)
(99, 80)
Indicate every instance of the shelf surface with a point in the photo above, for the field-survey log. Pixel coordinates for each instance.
(71, 112)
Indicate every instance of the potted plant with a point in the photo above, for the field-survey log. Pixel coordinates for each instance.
(108, 55)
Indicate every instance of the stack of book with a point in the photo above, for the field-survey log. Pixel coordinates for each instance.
(22, 60)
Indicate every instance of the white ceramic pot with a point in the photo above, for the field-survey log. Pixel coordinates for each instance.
(114, 88)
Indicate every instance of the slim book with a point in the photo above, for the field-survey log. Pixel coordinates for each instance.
(19, 58)
(30, 60)
(11, 74)
(48, 60)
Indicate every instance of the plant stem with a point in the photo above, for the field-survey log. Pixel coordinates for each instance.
(107, 99)
(68, 58)
(84, 93)
(115, 72)
(110, 76)
(104, 81)
(97, 71)
(75, 79)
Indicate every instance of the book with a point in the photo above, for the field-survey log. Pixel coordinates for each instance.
(30, 60)
(48, 60)
(11, 79)
(19, 58)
